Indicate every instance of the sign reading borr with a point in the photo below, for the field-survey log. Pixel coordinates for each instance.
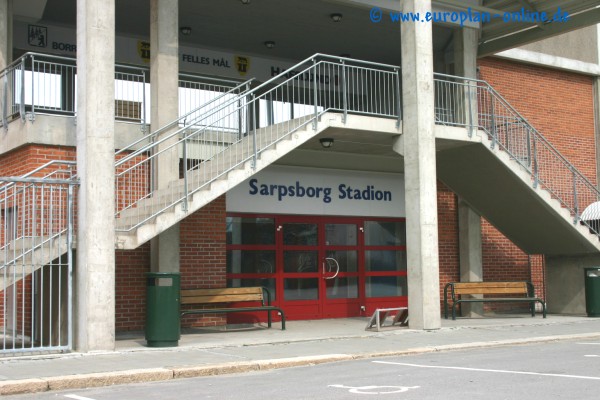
(68, 47)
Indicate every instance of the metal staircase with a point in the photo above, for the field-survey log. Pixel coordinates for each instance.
(237, 138)
(542, 192)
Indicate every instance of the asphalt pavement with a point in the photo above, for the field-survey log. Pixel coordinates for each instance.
(212, 351)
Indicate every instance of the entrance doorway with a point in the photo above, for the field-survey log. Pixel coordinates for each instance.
(319, 266)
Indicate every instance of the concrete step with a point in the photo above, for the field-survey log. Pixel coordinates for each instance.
(276, 142)
(23, 257)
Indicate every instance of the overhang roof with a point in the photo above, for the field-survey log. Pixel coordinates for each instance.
(498, 35)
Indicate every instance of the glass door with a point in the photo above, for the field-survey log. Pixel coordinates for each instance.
(319, 266)
(320, 261)
(299, 255)
(340, 269)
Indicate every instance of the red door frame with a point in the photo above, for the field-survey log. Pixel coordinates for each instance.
(321, 307)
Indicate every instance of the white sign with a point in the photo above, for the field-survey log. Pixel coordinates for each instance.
(313, 191)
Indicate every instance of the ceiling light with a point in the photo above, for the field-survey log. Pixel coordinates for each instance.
(185, 30)
(327, 143)
(269, 44)
(336, 17)
(245, 1)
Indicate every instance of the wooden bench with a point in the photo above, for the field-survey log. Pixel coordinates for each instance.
(230, 295)
(456, 291)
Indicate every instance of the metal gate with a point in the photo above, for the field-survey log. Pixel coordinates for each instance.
(36, 259)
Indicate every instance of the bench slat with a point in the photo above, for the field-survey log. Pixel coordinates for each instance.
(196, 292)
(490, 291)
(224, 298)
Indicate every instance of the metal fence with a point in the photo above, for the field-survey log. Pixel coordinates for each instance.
(36, 259)
(474, 103)
(46, 84)
(238, 128)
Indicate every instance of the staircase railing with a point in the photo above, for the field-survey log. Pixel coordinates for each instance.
(240, 130)
(35, 277)
(135, 164)
(46, 84)
(474, 103)
(37, 209)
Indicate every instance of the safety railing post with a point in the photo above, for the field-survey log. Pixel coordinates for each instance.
(398, 98)
(316, 93)
(32, 86)
(575, 199)
(470, 109)
(70, 225)
(5, 101)
(143, 128)
(254, 150)
(344, 92)
(239, 117)
(493, 120)
(535, 164)
(528, 147)
(184, 204)
(22, 102)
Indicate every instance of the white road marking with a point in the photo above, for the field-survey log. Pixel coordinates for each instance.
(502, 371)
(74, 396)
(375, 389)
(591, 355)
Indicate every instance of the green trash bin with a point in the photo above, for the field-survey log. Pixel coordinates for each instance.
(592, 292)
(162, 309)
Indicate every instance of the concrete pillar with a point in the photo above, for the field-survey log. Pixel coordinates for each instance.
(469, 242)
(5, 33)
(466, 41)
(419, 170)
(469, 222)
(95, 265)
(164, 77)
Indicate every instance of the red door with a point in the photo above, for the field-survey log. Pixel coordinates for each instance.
(319, 266)
(320, 262)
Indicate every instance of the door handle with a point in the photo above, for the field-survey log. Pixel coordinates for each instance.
(337, 266)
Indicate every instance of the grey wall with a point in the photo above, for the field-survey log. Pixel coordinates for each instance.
(581, 45)
(565, 279)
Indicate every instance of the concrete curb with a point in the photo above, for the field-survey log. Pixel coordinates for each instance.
(164, 374)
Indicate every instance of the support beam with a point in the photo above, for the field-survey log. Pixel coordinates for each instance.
(420, 173)
(470, 253)
(95, 265)
(164, 78)
(469, 222)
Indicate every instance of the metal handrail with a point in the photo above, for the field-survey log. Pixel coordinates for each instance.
(510, 130)
(182, 120)
(311, 87)
(131, 84)
(30, 180)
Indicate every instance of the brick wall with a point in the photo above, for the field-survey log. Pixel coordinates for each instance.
(447, 237)
(202, 266)
(203, 255)
(558, 104)
(130, 288)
